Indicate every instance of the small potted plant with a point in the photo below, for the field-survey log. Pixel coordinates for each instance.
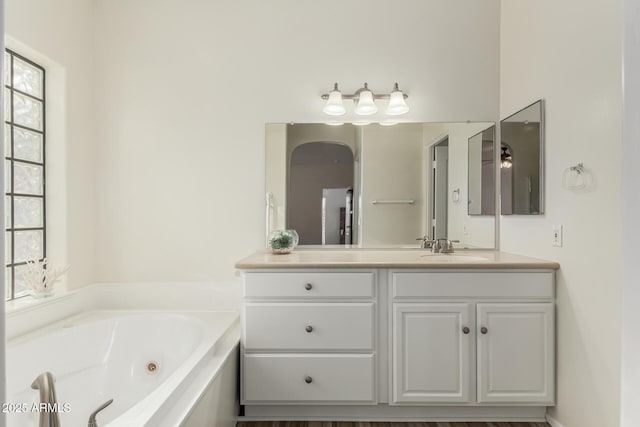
(283, 241)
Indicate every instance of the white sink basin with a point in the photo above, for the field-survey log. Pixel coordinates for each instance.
(453, 258)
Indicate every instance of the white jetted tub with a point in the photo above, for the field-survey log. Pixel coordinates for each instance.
(147, 362)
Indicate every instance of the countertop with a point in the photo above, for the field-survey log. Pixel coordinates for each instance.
(412, 258)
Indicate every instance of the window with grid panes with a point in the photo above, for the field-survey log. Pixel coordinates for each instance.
(24, 133)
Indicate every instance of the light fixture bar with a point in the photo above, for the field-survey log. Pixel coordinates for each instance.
(355, 97)
(364, 99)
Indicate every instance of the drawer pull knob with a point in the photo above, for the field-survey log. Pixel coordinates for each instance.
(308, 379)
(308, 286)
(466, 330)
(308, 328)
(484, 330)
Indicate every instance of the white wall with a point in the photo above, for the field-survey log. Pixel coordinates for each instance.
(185, 88)
(59, 36)
(630, 416)
(573, 62)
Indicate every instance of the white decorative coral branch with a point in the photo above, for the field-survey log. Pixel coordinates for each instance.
(40, 278)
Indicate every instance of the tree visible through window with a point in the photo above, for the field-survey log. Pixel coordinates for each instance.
(24, 135)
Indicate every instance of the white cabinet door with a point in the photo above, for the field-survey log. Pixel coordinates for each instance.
(431, 352)
(515, 353)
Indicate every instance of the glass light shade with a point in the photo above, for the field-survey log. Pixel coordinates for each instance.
(506, 163)
(388, 123)
(366, 106)
(334, 123)
(397, 105)
(334, 106)
(361, 123)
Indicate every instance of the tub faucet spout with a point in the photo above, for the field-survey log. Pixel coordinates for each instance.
(92, 418)
(44, 383)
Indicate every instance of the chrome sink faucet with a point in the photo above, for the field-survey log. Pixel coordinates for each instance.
(443, 246)
(437, 246)
(44, 383)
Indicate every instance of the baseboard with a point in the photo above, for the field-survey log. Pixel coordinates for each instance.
(386, 413)
(553, 422)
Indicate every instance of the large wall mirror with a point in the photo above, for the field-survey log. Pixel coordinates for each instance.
(380, 186)
(522, 161)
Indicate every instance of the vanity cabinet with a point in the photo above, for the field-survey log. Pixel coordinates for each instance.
(396, 342)
(455, 349)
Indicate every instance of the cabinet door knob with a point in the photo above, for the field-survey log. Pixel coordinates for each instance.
(466, 330)
(484, 330)
(308, 286)
(308, 328)
(308, 379)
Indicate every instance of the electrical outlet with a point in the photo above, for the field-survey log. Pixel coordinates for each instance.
(557, 236)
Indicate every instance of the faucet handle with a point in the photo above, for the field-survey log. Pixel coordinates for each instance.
(92, 417)
(425, 242)
(448, 246)
(444, 245)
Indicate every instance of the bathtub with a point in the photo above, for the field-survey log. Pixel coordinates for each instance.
(155, 366)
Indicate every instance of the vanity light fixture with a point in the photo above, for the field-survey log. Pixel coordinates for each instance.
(365, 105)
(334, 106)
(397, 105)
(365, 101)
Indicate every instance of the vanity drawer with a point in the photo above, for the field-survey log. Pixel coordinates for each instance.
(498, 285)
(285, 378)
(313, 326)
(309, 285)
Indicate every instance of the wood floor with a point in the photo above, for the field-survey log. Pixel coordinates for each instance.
(366, 424)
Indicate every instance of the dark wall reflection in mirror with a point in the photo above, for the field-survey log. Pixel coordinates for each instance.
(482, 184)
(321, 180)
(521, 161)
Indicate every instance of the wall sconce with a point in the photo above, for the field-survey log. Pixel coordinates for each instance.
(365, 102)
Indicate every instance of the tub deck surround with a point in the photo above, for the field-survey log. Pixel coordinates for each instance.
(34, 314)
(397, 335)
(371, 258)
(98, 340)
